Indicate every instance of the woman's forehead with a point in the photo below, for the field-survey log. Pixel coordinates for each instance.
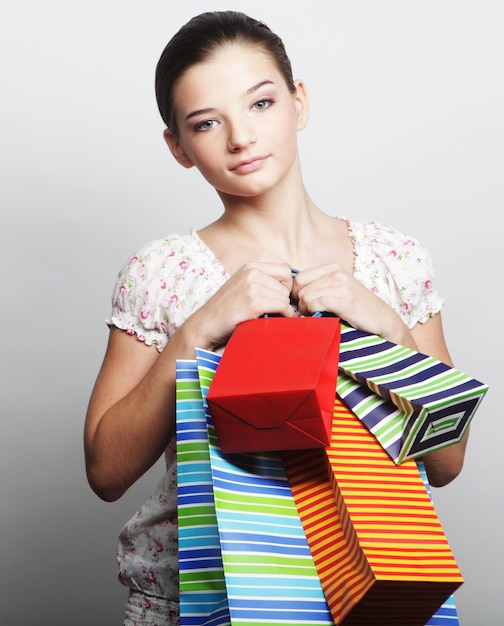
(232, 66)
(244, 53)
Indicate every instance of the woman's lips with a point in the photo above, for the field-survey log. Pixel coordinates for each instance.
(249, 165)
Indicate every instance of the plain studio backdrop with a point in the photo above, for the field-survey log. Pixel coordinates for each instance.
(406, 128)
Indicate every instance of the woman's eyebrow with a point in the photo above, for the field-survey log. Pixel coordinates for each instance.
(258, 86)
(248, 92)
(198, 112)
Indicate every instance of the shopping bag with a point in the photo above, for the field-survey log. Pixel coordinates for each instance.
(269, 571)
(378, 545)
(382, 418)
(446, 615)
(203, 598)
(426, 405)
(275, 386)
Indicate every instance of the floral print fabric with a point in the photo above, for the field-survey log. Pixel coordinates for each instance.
(396, 267)
(144, 610)
(161, 286)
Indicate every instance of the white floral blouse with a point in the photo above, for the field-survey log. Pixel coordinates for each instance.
(166, 281)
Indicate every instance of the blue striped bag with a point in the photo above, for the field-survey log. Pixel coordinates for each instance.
(413, 403)
(269, 571)
(203, 599)
(447, 614)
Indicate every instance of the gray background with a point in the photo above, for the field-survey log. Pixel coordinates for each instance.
(406, 128)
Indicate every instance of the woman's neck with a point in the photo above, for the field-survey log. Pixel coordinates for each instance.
(279, 219)
(297, 232)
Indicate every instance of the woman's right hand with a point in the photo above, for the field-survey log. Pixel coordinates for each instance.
(254, 290)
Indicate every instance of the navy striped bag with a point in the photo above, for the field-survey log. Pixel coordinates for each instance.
(411, 402)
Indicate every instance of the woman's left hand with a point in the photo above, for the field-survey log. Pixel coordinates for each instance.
(329, 288)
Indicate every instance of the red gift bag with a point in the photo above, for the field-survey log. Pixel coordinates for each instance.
(275, 385)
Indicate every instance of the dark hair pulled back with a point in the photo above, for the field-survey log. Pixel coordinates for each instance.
(199, 38)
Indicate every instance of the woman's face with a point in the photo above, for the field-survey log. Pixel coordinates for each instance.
(237, 120)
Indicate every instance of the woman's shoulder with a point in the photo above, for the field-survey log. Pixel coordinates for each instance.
(179, 253)
(374, 241)
(166, 249)
(161, 284)
(397, 266)
(381, 236)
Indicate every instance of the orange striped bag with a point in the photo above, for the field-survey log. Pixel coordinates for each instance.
(379, 548)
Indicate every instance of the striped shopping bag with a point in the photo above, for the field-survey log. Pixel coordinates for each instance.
(203, 598)
(446, 615)
(379, 548)
(411, 402)
(268, 568)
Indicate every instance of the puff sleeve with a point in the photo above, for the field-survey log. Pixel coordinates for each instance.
(160, 286)
(398, 268)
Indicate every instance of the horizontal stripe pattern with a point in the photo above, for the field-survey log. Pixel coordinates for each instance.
(203, 598)
(446, 615)
(392, 515)
(380, 551)
(412, 403)
(268, 567)
(382, 498)
(342, 568)
(275, 591)
(382, 418)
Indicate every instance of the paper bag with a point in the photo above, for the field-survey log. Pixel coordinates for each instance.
(428, 404)
(268, 567)
(378, 545)
(203, 598)
(275, 385)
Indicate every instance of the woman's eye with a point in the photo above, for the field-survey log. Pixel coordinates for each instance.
(205, 125)
(260, 105)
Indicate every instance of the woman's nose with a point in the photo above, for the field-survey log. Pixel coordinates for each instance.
(241, 135)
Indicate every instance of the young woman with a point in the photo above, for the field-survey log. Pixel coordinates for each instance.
(232, 109)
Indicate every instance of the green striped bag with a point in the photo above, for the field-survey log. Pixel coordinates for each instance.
(269, 571)
(411, 402)
(203, 599)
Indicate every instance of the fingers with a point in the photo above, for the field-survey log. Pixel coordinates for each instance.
(267, 287)
(281, 272)
(327, 273)
(329, 288)
(320, 289)
(255, 289)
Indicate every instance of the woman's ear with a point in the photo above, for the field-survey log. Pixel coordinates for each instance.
(302, 104)
(176, 149)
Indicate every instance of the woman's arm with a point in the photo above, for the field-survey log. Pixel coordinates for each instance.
(131, 414)
(444, 465)
(129, 421)
(330, 288)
